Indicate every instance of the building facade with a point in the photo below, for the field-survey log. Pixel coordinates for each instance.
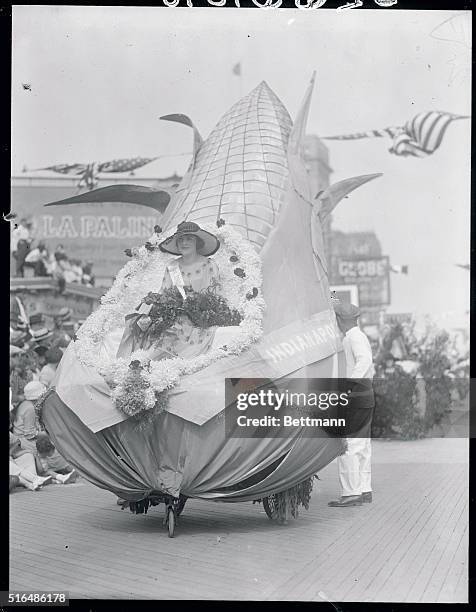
(98, 232)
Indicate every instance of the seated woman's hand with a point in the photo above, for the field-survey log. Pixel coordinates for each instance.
(144, 322)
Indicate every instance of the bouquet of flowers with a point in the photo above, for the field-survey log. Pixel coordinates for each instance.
(165, 308)
(207, 309)
(204, 309)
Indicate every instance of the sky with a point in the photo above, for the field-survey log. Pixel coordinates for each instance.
(101, 77)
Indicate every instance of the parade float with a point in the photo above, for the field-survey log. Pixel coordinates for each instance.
(154, 431)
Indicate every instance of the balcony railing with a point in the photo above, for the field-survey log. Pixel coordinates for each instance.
(45, 283)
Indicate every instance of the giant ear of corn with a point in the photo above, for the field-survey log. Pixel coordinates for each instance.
(249, 172)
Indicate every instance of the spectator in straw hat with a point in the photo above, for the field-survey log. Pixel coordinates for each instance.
(41, 335)
(37, 320)
(25, 425)
(48, 372)
(354, 466)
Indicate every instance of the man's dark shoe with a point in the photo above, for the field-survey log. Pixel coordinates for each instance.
(346, 500)
(367, 497)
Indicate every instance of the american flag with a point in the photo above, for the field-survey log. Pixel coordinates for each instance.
(419, 137)
(125, 165)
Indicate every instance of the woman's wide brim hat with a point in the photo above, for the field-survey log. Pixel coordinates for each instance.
(346, 311)
(210, 245)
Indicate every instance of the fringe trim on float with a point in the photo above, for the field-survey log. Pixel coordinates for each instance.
(141, 506)
(282, 506)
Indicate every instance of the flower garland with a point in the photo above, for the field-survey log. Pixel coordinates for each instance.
(240, 274)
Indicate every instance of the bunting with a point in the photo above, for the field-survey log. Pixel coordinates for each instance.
(89, 173)
(419, 137)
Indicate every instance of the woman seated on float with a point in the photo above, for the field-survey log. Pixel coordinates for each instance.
(193, 270)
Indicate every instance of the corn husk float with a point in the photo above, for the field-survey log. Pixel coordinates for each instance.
(248, 173)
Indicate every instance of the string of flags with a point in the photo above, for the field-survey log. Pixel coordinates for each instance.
(89, 173)
(418, 137)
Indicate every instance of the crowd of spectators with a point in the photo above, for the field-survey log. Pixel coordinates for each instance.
(35, 352)
(33, 258)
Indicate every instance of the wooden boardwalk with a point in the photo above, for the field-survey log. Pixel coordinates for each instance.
(409, 545)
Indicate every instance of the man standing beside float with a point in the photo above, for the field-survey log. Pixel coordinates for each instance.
(355, 465)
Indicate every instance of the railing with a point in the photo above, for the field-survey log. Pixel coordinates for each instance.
(45, 283)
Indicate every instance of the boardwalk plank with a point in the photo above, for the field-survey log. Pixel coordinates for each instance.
(399, 558)
(455, 584)
(447, 546)
(430, 553)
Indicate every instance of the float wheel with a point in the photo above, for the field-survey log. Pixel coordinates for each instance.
(171, 522)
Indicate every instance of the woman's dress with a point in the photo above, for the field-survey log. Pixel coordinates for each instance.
(182, 339)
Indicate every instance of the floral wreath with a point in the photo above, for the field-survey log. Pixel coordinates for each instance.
(136, 382)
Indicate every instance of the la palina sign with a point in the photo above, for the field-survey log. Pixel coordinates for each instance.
(95, 226)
